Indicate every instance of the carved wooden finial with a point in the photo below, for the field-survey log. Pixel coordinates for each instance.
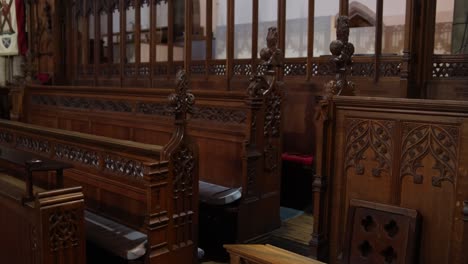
(271, 55)
(342, 51)
(182, 101)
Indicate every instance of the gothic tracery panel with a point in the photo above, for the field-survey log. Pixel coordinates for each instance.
(438, 141)
(362, 134)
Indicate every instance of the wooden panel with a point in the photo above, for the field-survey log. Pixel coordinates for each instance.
(406, 153)
(219, 163)
(111, 130)
(19, 226)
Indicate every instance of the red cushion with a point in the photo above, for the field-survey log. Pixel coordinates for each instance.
(298, 158)
(43, 78)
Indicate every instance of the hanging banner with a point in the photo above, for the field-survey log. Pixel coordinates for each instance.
(9, 31)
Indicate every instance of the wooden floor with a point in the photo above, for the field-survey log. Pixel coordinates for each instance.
(294, 235)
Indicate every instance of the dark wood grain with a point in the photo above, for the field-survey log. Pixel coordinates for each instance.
(403, 152)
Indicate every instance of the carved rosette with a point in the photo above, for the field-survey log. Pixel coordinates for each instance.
(124, 166)
(86, 157)
(63, 229)
(438, 141)
(363, 134)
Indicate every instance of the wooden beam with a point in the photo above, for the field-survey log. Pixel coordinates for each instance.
(170, 38)
(230, 43)
(188, 37)
(310, 38)
(254, 35)
(378, 40)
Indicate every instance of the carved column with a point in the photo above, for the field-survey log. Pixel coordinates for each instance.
(252, 154)
(318, 242)
(342, 51)
(182, 157)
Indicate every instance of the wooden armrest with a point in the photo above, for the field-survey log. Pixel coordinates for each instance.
(266, 254)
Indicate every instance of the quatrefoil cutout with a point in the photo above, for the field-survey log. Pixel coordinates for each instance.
(365, 248)
(389, 255)
(368, 223)
(391, 228)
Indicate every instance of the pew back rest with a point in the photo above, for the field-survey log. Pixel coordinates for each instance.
(220, 123)
(112, 172)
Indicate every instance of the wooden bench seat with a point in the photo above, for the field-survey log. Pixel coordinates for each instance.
(121, 240)
(215, 194)
(265, 254)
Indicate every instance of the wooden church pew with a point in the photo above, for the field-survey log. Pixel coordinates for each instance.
(37, 225)
(150, 189)
(222, 126)
(238, 135)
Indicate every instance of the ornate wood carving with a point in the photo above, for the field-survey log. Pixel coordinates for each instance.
(449, 67)
(342, 51)
(439, 141)
(153, 109)
(264, 86)
(295, 69)
(243, 69)
(222, 115)
(363, 69)
(198, 69)
(123, 166)
(182, 101)
(86, 157)
(181, 155)
(63, 229)
(271, 154)
(390, 69)
(273, 113)
(272, 57)
(82, 103)
(32, 144)
(6, 137)
(363, 134)
(217, 69)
